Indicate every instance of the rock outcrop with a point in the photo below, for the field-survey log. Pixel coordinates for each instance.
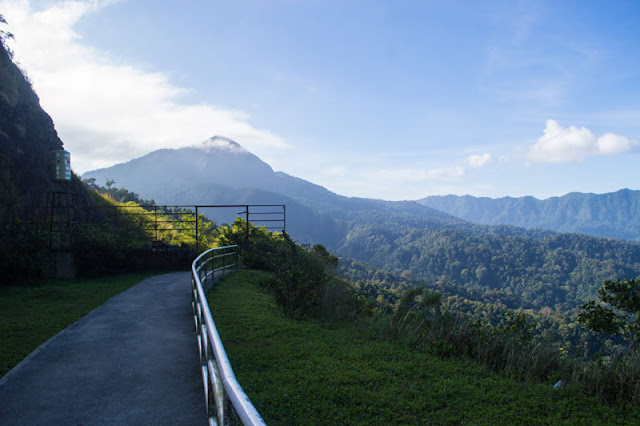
(27, 137)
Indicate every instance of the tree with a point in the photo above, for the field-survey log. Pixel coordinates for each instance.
(4, 36)
(618, 312)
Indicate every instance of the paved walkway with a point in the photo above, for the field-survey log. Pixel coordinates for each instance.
(132, 361)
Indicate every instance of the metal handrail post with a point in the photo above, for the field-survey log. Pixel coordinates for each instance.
(197, 242)
(224, 262)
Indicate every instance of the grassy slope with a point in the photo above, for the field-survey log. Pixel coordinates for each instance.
(29, 315)
(308, 373)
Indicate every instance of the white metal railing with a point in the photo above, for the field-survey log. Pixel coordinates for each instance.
(225, 399)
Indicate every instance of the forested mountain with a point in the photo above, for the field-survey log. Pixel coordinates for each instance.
(611, 215)
(511, 266)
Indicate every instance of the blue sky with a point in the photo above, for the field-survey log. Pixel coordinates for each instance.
(382, 99)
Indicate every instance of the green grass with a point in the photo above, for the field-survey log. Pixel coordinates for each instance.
(29, 315)
(307, 372)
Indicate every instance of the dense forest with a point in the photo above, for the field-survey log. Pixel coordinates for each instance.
(510, 266)
(383, 289)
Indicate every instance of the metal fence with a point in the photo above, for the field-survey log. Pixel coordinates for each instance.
(226, 401)
(188, 219)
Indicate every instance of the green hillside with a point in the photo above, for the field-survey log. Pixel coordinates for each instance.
(308, 372)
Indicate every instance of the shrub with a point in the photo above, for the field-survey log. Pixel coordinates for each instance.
(23, 252)
(100, 248)
(303, 282)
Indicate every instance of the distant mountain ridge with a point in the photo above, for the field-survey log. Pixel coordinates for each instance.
(610, 215)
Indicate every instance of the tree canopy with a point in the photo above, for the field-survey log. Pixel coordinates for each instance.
(618, 312)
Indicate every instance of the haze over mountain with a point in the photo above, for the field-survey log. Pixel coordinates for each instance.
(610, 215)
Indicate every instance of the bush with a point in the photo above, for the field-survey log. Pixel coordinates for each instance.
(303, 282)
(99, 249)
(23, 252)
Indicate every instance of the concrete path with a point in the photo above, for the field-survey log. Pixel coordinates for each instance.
(132, 361)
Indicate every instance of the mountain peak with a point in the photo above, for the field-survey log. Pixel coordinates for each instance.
(221, 143)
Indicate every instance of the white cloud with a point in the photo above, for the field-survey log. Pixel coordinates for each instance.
(107, 112)
(476, 161)
(460, 169)
(572, 144)
(610, 143)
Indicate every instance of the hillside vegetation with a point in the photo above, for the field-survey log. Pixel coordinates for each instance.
(127, 233)
(523, 345)
(309, 372)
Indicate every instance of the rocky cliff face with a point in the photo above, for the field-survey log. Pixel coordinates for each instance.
(27, 136)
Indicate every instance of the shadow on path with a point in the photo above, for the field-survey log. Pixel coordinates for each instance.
(133, 360)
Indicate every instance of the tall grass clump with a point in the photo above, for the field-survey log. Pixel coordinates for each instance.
(615, 379)
(507, 348)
